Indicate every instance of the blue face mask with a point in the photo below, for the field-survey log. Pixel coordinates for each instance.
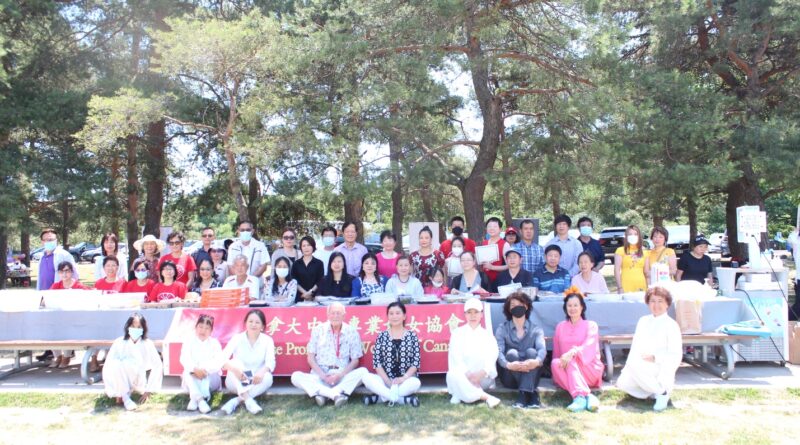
(328, 241)
(141, 274)
(135, 333)
(50, 245)
(245, 236)
(586, 230)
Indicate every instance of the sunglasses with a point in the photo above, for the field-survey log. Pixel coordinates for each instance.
(287, 238)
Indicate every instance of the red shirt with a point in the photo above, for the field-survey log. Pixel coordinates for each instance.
(133, 286)
(445, 248)
(492, 274)
(114, 287)
(161, 291)
(184, 264)
(75, 285)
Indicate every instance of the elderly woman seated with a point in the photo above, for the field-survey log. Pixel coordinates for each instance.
(655, 353)
(522, 350)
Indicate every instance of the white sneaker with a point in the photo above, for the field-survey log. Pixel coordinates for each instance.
(203, 406)
(229, 407)
(492, 401)
(192, 406)
(662, 401)
(455, 400)
(252, 406)
(129, 404)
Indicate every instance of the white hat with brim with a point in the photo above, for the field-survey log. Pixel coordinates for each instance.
(138, 244)
(473, 303)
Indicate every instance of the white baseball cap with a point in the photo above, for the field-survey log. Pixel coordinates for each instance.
(473, 303)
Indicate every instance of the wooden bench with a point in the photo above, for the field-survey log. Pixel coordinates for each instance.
(25, 348)
(703, 341)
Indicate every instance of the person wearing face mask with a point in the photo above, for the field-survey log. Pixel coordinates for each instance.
(53, 256)
(281, 287)
(200, 358)
(452, 264)
(127, 363)
(457, 229)
(591, 245)
(252, 249)
(576, 364)
(532, 253)
(437, 285)
(521, 350)
(328, 245)
(141, 281)
(629, 261)
(655, 354)
(387, 258)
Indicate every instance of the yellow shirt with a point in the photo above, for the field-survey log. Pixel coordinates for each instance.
(654, 254)
(632, 270)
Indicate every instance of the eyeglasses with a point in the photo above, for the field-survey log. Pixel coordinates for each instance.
(208, 235)
(289, 237)
(175, 243)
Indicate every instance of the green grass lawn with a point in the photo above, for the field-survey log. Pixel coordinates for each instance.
(745, 416)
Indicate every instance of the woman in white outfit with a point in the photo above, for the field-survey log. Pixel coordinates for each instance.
(127, 363)
(396, 362)
(471, 359)
(655, 354)
(200, 358)
(250, 357)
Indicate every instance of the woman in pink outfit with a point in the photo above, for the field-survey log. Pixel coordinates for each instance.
(576, 361)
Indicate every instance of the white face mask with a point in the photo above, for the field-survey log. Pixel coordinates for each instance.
(633, 239)
(436, 283)
(457, 251)
(281, 272)
(328, 241)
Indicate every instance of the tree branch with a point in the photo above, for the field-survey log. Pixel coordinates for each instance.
(413, 48)
(516, 55)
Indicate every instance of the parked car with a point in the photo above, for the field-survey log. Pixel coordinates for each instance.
(716, 242)
(679, 239)
(36, 254)
(78, 249)
(90, 255)
(373, 243)
(612, 238)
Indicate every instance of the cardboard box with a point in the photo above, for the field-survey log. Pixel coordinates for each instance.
(794, 342)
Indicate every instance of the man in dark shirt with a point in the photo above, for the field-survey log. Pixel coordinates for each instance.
(515, 273)
(591, 245)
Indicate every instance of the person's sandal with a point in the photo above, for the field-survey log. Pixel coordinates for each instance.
(64, 362)
(55, 363)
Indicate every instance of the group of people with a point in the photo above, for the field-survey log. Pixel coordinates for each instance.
(516, 354)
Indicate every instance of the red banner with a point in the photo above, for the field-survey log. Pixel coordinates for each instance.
(290, 329)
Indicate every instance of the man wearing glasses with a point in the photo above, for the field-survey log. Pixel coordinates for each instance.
(204, 252)
(254, 250)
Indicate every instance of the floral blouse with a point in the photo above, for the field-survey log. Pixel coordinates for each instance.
(394, 358)
(423, 264)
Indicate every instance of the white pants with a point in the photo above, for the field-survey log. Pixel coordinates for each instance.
(58, 353)
(200, 388)
(235, 386)
(459, 386)
(313, 385)
(376, 385)
(643, 379)
(123, 377)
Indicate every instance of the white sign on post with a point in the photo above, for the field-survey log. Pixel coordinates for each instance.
(748, 223)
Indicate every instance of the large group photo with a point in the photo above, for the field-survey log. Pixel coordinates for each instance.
(401, 222)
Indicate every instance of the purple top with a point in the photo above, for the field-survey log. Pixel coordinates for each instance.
(352, 257)
(47, 271)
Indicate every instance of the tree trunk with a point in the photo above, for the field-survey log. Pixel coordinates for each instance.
(65, 215)
(492, 116)
(395, 155)
(658, 220)
(427, 206)
(235, 185)
(132, 229)
(554, 202)
(4, 249)
(507, 191)
(741, 192)
(156, 174)
(691, 210)
(112, 194)
(25, 244)
(253, 193)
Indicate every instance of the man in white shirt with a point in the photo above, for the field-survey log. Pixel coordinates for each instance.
(333, 355)
(254, 250)
(570, 247)
(329, 244)
(241, 280)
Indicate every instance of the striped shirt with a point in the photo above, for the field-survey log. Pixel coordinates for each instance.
(557, 281)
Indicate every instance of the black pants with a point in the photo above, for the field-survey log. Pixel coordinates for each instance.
(794, 310)
(523, 381)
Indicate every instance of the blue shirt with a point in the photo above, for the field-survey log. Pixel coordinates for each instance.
(570, 249)
(557, 281)
(595, 250)
(47, 271)
(532, 256)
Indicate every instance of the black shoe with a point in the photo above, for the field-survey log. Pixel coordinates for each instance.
(47, 355)
(370, 399)
(411, 400)
(534, 403)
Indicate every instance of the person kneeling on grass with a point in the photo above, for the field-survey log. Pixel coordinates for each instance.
(200, 360)
(396, 362)
(655, 354)
(250, 362)
(576, 364)
(333, 354)
(127, 363)
(471, 359)
(521, 350)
